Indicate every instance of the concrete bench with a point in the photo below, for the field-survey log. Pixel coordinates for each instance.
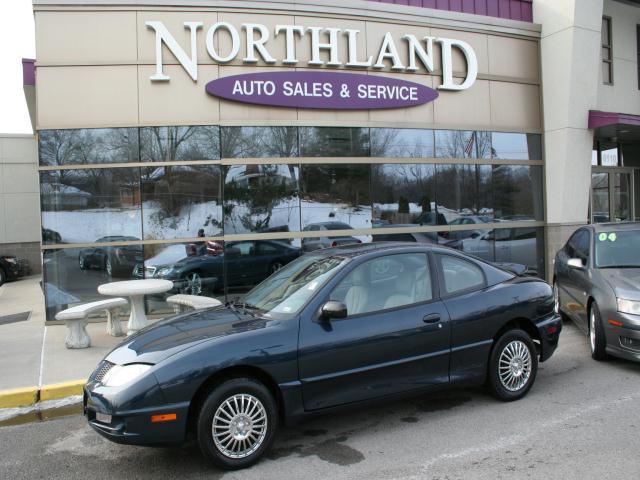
(75, 318)
(181, 301)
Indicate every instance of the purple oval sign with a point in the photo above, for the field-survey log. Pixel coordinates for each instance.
(332, 90)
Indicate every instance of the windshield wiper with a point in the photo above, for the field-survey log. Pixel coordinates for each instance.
(249, 306)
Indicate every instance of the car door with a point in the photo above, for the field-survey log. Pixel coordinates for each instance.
(239, 263)
(578, 280)
(395, 337)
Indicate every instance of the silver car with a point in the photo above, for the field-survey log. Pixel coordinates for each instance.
(324, 240)
(596, 284)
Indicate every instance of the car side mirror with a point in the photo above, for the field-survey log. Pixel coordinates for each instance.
(333, 309)
(575, 263)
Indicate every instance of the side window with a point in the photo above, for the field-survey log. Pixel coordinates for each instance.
(266, 249)
(459, 274)
(386, 282)
(578, 245)
(245, 248)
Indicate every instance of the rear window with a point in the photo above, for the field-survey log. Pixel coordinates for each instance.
(338, 226)
(460, 275)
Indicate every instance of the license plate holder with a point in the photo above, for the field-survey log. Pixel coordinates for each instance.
(103, 417)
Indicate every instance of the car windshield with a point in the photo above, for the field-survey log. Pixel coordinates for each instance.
(284, 293)
(618, 249)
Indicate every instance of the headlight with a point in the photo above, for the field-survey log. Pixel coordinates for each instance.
(628, 306)
(121, 374)
(163, 272)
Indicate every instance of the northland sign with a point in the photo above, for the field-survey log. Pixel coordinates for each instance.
(293, 89)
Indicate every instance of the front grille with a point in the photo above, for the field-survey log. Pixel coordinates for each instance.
(102, 370)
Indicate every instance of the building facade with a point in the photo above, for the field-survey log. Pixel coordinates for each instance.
(212, 142)
(19, 199)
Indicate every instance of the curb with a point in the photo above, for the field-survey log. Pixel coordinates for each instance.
(23, 397)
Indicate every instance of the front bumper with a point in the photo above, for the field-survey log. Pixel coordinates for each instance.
(549, 332)
(624, 341)
(134, 426)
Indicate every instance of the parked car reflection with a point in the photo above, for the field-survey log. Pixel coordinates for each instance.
(324, 241)
(201, 268)
(116, 261)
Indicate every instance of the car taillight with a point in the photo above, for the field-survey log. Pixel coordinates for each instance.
(334, 244)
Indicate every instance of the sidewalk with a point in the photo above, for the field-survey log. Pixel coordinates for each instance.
(33, 356)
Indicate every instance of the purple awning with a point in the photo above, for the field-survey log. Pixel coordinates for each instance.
(29, 71)
(598, 119)
(510, 9)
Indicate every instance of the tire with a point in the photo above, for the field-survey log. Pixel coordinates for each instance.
(597, 338)
(557, 305)
(81, 263)
(514, 380)
(239, 395)
(194, 285)
(3, 276)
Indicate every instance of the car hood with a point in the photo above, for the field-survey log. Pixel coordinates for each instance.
(177, 333)
(624, 281)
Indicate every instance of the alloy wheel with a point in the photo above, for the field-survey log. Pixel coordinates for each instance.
(239, 426)
(108, 267)
(82, 264)
(194, 284)
(275, 267)
(514, 366)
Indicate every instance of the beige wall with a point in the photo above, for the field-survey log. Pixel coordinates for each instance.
(19, 191)
(90, 77)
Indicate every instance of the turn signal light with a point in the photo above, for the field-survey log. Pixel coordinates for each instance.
(166, 417)
(615, 323)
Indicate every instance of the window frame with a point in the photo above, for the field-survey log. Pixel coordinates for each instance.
(435, 290)
(609, 46)
(444, 294)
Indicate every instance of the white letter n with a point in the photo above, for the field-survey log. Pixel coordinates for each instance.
(163, 35)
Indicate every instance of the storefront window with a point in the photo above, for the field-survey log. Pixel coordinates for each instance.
(335, 193)
(516, 146)
(83, 206)
(405, 143)
(464, 191)
(181, 201)
(517, 192)
(403, 194)
(334, 142)
(169, 144)
(462, 144)
(259, 142)
(87, 146)
(261, 198)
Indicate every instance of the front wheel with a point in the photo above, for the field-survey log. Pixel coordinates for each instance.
(237, 423)
(513, 365)
(597, 340)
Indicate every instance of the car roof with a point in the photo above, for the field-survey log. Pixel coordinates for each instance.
(358, 249)
(614, 226)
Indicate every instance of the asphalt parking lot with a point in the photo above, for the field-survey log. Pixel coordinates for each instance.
(579, 421)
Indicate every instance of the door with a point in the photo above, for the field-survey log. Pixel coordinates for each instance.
(576, 280)
(395, 337)
(612, 195)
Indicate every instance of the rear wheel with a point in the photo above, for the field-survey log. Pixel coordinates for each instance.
(597, 340)
(194, 284)
(237, 423)
(557, 305)
(275, 266)
(81, 263)
(108, 266)
(513, 365)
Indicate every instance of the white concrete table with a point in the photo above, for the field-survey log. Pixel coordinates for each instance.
(136, 290)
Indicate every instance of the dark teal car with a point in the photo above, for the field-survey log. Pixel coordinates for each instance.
(333, 329)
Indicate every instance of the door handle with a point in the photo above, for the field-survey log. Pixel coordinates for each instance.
(432, 318)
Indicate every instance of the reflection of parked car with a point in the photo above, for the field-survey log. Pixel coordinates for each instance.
(417, 237)
(117, 261)
(315, 243)
(247, 264)
(431, 218)
(337, 328)
(597, 285)
(50, 236)
(11, 268)
(509, 245)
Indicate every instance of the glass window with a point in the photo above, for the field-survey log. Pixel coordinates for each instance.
(580, 244)
(247, 263)
(261, 198)
(403, 194)
(81, 206)
(168, 144)
(336, 193)
(517, 192)
(524, 246)
(86, 146)
(618, 249)
(609, 157)
(460, 275)
(181, 201)
(386, 282)
(334, 142)
(397, 142)
(462, 144)
(259, 142)
(463, 190)
(607, 52)
(516, 146)
(600, 197)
